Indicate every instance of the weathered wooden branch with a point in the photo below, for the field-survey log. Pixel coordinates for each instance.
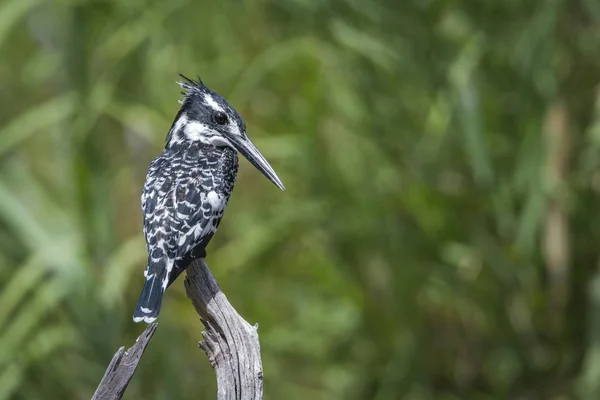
(122, 367)
(230, 342)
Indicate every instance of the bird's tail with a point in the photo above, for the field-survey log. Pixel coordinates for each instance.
(148, 306)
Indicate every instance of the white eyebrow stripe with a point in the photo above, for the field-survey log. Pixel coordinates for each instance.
(212, 103)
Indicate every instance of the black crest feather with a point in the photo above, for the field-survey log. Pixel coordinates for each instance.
(189, 85)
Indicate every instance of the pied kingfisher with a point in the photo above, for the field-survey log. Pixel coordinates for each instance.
(188, 186)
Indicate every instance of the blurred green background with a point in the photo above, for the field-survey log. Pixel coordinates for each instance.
(439, 238)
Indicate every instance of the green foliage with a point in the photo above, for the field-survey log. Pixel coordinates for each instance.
(432, 243)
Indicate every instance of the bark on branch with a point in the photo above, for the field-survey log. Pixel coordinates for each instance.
(230, 342)
(122, 366)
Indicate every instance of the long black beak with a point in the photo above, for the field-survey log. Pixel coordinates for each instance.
(245, 146)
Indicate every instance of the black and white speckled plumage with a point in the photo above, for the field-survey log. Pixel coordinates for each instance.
(188, 186)
(185, 195)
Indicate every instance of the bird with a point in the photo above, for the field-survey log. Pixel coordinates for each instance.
(188, 185)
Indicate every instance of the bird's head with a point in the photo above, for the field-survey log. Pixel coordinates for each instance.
(208, 118)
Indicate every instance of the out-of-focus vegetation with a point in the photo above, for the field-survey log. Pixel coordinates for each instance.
(439, 238)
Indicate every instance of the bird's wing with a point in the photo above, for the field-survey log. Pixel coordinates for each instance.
(179, 212)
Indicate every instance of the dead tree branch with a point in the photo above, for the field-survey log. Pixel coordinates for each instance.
(230, 342)
(122, 367)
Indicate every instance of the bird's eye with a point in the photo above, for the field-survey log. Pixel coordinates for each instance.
(220, 118)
